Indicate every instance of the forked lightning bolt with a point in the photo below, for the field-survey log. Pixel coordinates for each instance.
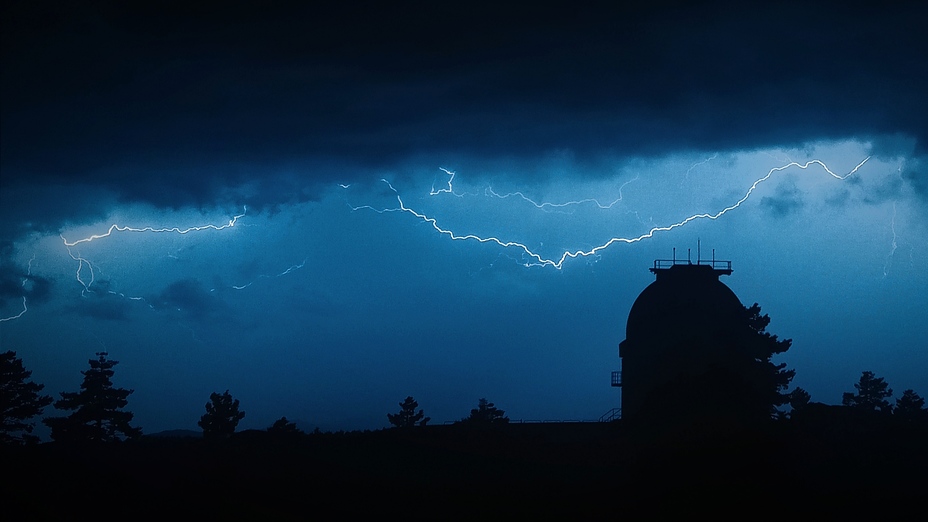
(558, 263)
(83, 262)
(117, 228)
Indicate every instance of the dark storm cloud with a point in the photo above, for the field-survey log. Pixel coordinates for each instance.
(17, 281)
(885, 190)
(16, 285)
(11, 276)
(839, 198)
(189, 297)
(180, 105)
(37, 289)
(10, 289)
(786, 200)
(44, 206)
(104, 305)
(916, 174)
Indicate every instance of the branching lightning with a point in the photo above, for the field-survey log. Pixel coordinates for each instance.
(449, 190)
(86, 272)
(81, 262)
(541, 206)
(116, 228)
(85, 275)
(536, 259)
(895, 242)
(547, 205)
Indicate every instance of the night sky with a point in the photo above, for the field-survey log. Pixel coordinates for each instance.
(331, 137)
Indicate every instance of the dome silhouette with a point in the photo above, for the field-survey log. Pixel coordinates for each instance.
(692, 295)
(683, 326)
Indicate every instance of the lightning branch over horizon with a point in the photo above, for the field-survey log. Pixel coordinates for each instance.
(81, 261)
(488, 191)
(536, 259)
(547, 205)
(116, 228)
(86, 271)
(84, 264)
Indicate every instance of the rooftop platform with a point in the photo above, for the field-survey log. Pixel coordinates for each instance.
(714, 266)
(723, 267)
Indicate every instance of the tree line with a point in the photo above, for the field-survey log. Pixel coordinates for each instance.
(98, 414)
(872, 396)
(98, 410)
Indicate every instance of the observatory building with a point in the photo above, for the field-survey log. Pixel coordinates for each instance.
(682, 331)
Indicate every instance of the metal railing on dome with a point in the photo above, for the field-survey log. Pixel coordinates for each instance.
(660, 264)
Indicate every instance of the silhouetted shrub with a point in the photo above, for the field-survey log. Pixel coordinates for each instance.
(486, 413)
(221, 417)
(407, 417)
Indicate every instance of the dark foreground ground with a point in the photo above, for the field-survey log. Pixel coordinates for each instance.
(791, 470)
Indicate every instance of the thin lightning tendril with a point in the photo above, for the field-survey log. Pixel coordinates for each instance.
(686, 175)
(116, 228)
(698, 163)
(558, 263)
(892, 251)
(264, 276)
(23, 285)
(546, 205)
(449, 190)
(17, 316)
(541, 206)
(80, 266)
(83, 262)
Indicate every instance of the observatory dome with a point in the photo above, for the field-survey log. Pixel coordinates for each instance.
(683, 298)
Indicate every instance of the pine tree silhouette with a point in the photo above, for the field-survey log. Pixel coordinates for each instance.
(872, 392)
(910, 406)
(407, 417)
(486, 413)
(19, 400)
(98, 414)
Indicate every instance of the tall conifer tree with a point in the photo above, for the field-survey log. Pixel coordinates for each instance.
(19, 400)
(98, 414)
